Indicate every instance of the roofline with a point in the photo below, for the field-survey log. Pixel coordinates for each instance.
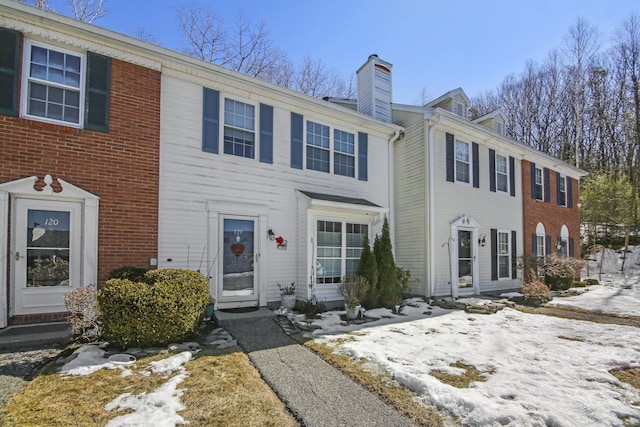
(448, 95)
(163, 59)
(511, 142)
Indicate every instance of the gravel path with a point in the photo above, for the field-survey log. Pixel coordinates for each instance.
(18, 366)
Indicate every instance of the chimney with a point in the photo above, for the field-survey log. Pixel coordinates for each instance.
(374, 88)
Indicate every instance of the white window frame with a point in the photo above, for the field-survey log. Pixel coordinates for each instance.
(337, 152)
(26, 79)
(343, 248)
(506, 255)
(505, 173)
(498, 127)
(468, 162)
(563, 190)
(331, 150)
(234, 127)
(541, 184)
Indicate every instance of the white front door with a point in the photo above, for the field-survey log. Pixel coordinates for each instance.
(47, 255)
(240, 255)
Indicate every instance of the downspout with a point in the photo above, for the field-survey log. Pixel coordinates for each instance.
(397, 136)
(431, 225)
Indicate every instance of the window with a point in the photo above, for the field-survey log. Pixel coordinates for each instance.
(239, 129)
(539, 186)
(540, 250)
(318, 148)
(460, 110)
(502, 173)
(344, 156)
(504, 257)
(53, 84)
(562, 191)
(498, 127)
(463, 164)
(339, 246)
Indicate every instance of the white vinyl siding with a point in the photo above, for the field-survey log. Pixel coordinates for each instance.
(190, 180)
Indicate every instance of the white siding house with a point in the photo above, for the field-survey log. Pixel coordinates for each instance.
(261, 186)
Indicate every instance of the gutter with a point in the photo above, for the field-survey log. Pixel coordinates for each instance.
(397, 136)
(430, 184)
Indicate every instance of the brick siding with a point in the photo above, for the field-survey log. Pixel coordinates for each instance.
(121, 166)
(550, 214)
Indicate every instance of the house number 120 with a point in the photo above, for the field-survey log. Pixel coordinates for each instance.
(51, 221)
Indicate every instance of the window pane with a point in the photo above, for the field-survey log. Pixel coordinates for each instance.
(59, 99)
(317, 159)
(344, 165)
(501, 164)
(503, 182)
(462, 151)
(329, 249)
(343, 142)
(239, 143)
(462, 171)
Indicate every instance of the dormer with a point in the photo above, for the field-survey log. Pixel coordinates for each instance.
(455, 101)
(494, 121)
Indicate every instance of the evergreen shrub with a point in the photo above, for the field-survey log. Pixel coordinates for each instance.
(135, 274)
(167, 305)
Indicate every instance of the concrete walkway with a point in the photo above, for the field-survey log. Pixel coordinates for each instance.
(315, 392)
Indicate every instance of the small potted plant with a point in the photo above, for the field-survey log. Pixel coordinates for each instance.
(288, 295)
(353, 290)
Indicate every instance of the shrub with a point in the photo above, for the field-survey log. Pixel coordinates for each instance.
(368, 269)
(353, 290)
(591, 282)
(135, 274)
(166, 306)
(386, 292)
(559, 273)
(310, 308)
(82, 306)
(535, 292)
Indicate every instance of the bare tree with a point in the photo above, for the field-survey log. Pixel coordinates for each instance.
(582, 43)
(246, 47)
(87, 10)
(82, 10)
(203, 32)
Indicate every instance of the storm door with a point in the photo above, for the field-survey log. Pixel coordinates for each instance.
(239, 257)
(465, 259)
(47, 255)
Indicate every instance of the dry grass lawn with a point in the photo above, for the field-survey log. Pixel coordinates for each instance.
(222, 389)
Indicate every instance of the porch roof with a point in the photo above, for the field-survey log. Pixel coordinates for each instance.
(339, 199)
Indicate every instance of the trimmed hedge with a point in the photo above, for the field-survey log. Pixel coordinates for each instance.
(165, 307)
(135, 274)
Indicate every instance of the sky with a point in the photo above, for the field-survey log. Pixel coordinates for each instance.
(539, 370)
(434, 46)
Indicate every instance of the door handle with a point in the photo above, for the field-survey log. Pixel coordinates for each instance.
(18, 256)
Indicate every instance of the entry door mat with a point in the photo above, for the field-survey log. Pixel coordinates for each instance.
(240, 309)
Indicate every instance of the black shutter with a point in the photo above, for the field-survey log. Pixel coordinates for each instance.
(534, 244)
(363, 152)
(210, 120)
(512, 176)
(494, 254)
(548, 244)
(514, 252)
(297, 129)
(450, 159)
(558, 195)
(569, 192)
(533, 180)
(98, 88)
(547, 184)
(476, 165)
(492, 170)
(266, 133)
(572, 247)
(9, 71)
